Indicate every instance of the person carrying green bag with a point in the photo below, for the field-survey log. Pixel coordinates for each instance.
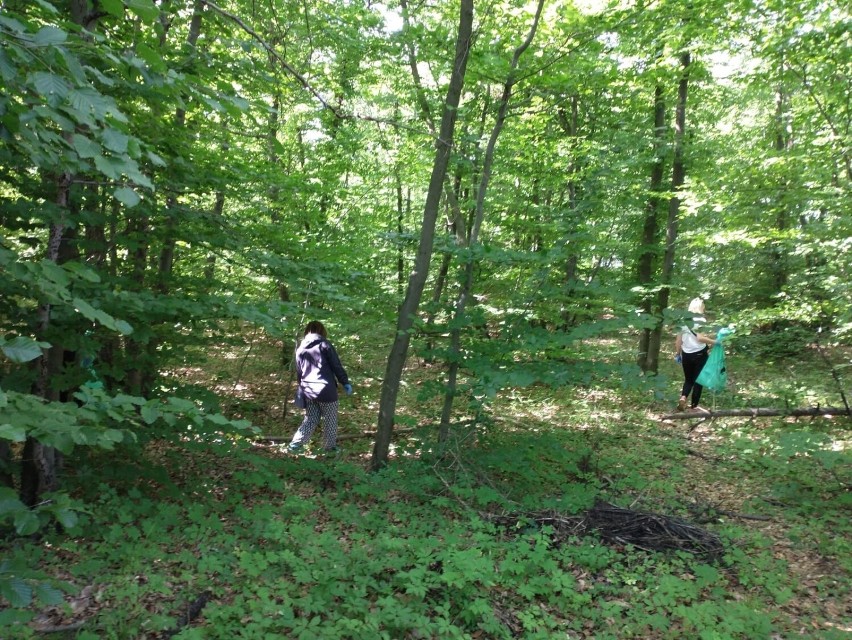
(692, 350)
(714, 374)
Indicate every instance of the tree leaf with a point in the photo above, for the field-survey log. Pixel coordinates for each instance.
(26, 522)
(150, 414)
(82, 271)
(9, 502)
(112, 435)
(47, 593)
(15, 433)
(127, 196)
(48, 36)
(106, 167)
(21, 349)
(151, 56)
(46, 5)
(145, 9)
(7, 71)
(123, 327)
(87, 101)
(113, 7)
(156, 160)
(139, 178)
(85, 147)
(115, 140)
(16, 591)
(49, 84)
(67, 518)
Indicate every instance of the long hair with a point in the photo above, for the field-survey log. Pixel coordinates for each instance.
(315, 326)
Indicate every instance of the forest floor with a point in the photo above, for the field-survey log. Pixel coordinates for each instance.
(267, 544)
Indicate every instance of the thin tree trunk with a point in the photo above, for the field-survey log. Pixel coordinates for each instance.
(651, 229)
(417, 279)
(400, 216)
(141, 379)
(678, 178)
(467, 285)
(39, 461)
(167, 253)
(571, 126)
(783, 143)
(210, 266)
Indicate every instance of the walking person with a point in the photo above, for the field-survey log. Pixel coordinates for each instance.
(318, 370)
(691, 350)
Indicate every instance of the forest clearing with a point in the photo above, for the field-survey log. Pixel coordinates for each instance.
(565, 284)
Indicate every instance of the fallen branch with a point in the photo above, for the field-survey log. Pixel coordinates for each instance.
(703, 456)
(758, 413)
(192, 611)
(743, 516)
(342, 436)
(62, 628)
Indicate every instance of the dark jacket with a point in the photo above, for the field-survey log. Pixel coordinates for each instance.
(317, 366)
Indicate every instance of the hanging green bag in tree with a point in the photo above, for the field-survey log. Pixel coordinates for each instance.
(714, 375)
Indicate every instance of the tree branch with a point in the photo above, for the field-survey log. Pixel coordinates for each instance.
(760, 413)
(302, 81)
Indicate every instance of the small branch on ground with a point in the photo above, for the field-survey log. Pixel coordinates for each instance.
(703, 456)
(62, 628)
(191, 613)
(710, 513)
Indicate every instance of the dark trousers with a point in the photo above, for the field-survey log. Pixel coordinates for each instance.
(693, 363)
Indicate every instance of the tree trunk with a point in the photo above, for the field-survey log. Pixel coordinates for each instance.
(417, 279)
(400, 217)
(210, 266)
(167, 253)
(39, 461)
(807, 412)
(467, 285)
(783, 144)
(571, 126)
(678, 178)
(651, 228)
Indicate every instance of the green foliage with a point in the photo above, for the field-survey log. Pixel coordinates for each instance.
(313, 548)
(21, 587)
(21, 349)
(56, 507)
(206, 202)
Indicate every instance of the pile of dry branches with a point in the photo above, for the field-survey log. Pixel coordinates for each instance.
(617, 525)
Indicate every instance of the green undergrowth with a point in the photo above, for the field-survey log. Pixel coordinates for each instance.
(303, 547)
(309, 547)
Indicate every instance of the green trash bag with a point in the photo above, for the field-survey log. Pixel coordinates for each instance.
(714, 375)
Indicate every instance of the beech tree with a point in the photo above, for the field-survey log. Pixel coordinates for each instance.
(419, 274)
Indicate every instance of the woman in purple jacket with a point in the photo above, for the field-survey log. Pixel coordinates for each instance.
(318, 369)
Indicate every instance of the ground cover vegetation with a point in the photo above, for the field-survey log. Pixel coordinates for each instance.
(500, 212)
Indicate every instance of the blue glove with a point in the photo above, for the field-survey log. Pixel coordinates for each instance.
(348, 389)
(678, 359)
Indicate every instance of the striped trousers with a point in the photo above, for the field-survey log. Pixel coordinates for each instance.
(327, 411)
